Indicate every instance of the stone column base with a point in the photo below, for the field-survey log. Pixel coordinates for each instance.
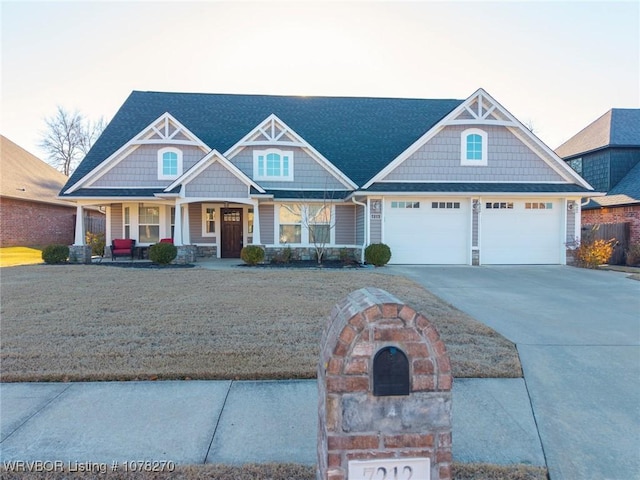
(80, 254)
(186, 254)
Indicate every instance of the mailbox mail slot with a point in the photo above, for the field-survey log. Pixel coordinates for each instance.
(390, 372)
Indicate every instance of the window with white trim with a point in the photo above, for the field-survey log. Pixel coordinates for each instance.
(169, 163)
(273, 164)
(127, 223)
(445, 205)
(473, 147)
(395, 204)
(499, 205)
(148, 224)
(319, 217)
(538, 205)
(208, 220)
(290, 217)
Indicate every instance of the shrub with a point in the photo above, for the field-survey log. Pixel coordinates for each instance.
(347, 257)
(163, 253)
(633, 254)
(252, 254)
(377, 254)
(53, 254)
(592, 254)
(97, 243)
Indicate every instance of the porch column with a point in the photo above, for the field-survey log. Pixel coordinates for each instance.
(79, 236)
(186, 235)
(177, 226)
(256, 223)
(107, 225)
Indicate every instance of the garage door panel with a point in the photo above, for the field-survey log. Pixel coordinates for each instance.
(427, 235)
(521, 234)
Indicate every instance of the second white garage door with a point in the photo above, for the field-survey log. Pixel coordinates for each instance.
(520, 231)
(427, 231)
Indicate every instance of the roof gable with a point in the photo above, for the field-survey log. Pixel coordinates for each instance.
(357, 135)
(619, 127)
(482, 110)
(164, 130)
(273, 132)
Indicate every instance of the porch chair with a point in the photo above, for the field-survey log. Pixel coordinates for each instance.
(122, 247)
(166, 240)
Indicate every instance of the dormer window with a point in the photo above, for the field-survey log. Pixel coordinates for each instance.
(169, 163)
(273, 164)
(473, 147)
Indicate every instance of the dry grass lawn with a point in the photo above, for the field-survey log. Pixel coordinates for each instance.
(95, 322)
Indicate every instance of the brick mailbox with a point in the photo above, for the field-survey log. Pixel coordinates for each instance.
(384, 384)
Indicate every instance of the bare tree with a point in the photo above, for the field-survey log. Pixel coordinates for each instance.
(317, 218)
(68, 138)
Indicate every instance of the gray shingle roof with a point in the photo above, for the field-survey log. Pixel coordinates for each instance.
(360, 136)
(619, 127)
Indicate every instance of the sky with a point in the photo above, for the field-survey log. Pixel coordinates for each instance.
(556, 66)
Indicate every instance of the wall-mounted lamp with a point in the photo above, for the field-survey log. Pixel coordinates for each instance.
(476, 206)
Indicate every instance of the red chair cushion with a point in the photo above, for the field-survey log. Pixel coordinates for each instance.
(122, 244)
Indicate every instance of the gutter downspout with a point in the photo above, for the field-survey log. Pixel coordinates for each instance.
(366, 227)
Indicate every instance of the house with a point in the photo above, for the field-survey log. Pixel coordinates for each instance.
(606, 153)
(31, 214)
(439, 181)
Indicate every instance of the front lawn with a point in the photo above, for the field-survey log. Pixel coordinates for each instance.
(91, 322)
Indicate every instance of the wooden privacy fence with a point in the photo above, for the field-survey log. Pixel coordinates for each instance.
(95, 224)
(621, 232)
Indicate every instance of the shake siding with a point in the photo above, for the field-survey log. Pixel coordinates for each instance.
(509, 160)
(345, 225)
(307, 172)
(266, 224)
(116, 221)
(359, 224)
(216, 181)
(195, 225)
(140, 168)
(375, 230)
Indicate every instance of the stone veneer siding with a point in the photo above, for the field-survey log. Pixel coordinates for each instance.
(353, 424)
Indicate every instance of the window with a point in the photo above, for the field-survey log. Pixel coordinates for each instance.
(148, 224)
(538, 206)
(445, 204)
(499, 205)
(319, 224)
(209, 220)
(272, 164)
(290, 224)
(250, 221)
(173, 222)
(405, 204)
(576, 164)
(169, 163)
(127, 223)
(473, 147)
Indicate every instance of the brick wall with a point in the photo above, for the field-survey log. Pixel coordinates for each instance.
(628, 214)
(355, 424)
(25, 223)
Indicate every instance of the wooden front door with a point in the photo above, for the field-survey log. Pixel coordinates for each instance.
(231, 234)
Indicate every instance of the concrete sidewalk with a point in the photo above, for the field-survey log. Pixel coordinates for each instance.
(231, 422)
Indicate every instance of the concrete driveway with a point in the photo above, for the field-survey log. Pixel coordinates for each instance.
(578, 335)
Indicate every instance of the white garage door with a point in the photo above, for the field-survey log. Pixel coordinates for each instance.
(427, 231)
(520, 231)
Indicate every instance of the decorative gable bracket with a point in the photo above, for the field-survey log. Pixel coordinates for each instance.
(167, 129)
(478, 109)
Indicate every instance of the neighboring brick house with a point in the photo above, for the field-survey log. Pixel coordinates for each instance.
(607, 155)
(439, 181)
(30, 212)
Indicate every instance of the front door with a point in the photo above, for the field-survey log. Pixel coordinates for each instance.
(231, 235)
